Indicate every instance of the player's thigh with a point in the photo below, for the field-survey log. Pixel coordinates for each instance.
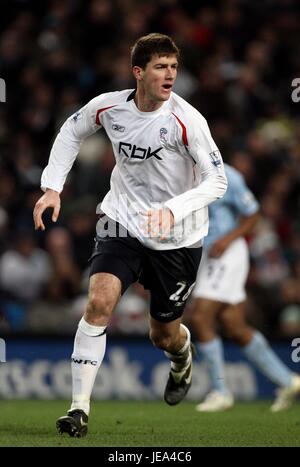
(223, 279)
(204, 312)
(104, 293)
(233, 319)
(120, 257)
(114, 266)
(170, 277)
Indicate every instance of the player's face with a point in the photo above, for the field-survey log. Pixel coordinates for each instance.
(159, 76)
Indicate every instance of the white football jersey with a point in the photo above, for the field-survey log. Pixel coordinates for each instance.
(164, 158)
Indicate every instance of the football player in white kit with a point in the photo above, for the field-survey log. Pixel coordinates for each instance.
(220, 294)
(153, 219)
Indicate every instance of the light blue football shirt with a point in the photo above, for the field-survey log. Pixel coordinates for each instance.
(225, 213)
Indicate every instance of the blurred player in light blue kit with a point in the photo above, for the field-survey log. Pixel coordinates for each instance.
(220, 294)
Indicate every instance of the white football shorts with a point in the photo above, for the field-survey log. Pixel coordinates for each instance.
(223, 279)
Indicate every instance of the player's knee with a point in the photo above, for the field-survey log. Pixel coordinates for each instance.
(162, 341)
(198, 318)
(99, 305)
(202, 321)
(230, 327)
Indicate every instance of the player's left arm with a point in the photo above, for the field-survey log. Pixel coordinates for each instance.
(245, 204)
(244, 228)
(158, 223)
(213, 182)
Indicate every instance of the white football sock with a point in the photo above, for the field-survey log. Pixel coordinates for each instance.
(88, 353)
(181, 360)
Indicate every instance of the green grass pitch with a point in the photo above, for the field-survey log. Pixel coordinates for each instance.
(117, 423)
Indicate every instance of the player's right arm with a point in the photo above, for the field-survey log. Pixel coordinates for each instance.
(62, 156)
(50, 199)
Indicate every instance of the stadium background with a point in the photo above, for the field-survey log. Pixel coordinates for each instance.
(239, 59)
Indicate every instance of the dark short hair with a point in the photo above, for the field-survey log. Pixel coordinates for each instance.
(152, 44)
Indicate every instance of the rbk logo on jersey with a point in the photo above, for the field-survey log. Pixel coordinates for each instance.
(117, 127)
(132, 151)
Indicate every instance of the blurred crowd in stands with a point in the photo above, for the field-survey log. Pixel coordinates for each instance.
(239, 58)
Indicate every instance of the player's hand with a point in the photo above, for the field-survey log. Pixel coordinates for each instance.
(219, 247)
(50, 199)
(158, 223)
